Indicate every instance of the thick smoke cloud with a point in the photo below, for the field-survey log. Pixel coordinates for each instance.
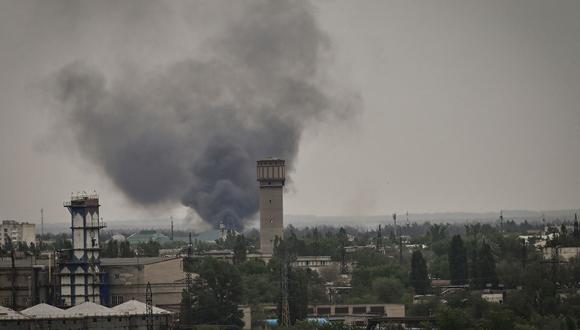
(193, 130)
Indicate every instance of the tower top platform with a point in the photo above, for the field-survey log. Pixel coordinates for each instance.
(271, 170)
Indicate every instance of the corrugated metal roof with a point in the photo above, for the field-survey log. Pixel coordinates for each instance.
(134, 307)
(90, 309)
(43, 310)
(9, 314)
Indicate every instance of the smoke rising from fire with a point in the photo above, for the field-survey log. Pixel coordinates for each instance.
(193, 130)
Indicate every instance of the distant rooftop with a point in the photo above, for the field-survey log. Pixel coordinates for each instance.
(145, 236)
(132, 261)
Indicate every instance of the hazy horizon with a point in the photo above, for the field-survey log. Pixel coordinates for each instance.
(436, 107)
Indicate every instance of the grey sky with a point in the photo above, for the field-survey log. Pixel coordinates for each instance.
(466, 106)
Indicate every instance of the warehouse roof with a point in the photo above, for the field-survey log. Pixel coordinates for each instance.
(89, 309)
(43, 311)
(9, 314)
(137, 307)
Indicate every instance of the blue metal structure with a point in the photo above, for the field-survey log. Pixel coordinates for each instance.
(80, 273)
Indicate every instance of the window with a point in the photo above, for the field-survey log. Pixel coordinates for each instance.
(323, 310)
(378, 309)
(359, 310)
(116, 276)
(341, 310)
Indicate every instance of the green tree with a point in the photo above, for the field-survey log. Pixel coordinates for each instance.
(388, 290)
(486, 268)
(240, 250)
(457, 261)
(217, 292)
(418, 277)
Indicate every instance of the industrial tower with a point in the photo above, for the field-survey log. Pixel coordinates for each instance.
(271, 176)
(80, 267)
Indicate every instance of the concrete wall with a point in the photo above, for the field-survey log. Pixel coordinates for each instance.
(129, 282)
(31, 286)
(271, 217)
(565, 253)
(134, 322)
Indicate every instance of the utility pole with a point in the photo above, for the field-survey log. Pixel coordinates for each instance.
(171, 228)
(13, 276)
(379, 239)
(149, 301)
(187, 272)
(284, 283)
(41, 225)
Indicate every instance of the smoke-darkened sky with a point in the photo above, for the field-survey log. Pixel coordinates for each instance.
(380, 106)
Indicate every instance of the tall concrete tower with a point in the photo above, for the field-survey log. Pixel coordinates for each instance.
(80, 267)
(271, 176)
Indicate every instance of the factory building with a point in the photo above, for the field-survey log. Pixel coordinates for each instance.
(127, 278)
(88, 315)
(79, 268)
(24, 283)
(271, 177)
(17, 232)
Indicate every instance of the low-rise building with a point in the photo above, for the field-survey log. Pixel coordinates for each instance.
(316, 263)
(563, 253)
(493, 297)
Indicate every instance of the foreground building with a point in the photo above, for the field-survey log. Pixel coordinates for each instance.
(127, 278)
(24, 283)
(88, 315)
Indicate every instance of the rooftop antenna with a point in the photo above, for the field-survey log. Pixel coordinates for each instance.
(41, 224)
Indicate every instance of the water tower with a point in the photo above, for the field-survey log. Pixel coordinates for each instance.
(271, 176)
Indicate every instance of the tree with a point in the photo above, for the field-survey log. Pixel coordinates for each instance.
(437, 232)
(240, 250)
(297, 294)
(388, 290)
(216, 292)
(486, 268)
(457, 261)
(419, 278)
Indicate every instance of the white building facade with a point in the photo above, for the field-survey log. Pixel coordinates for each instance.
(15, 232)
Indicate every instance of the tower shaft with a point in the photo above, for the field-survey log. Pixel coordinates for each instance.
(271, 176)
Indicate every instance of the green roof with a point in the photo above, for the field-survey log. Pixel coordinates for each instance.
(145, 236)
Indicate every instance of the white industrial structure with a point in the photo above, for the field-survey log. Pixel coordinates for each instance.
(80, 268)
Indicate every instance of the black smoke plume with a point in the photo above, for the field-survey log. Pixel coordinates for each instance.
(192, 132)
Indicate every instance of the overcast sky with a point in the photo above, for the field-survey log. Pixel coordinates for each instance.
(464, 105)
